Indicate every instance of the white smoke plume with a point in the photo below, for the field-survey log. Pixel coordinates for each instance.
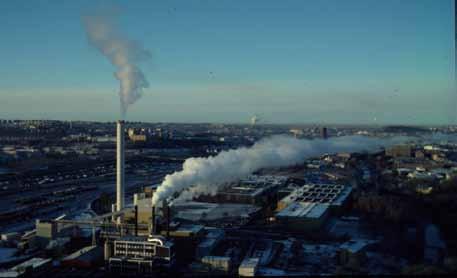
(207, 175)
(104, 34)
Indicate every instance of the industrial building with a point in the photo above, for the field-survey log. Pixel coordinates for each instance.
(254, 190)
(140, 254)
(305, 216)
(307, 208)
(242, 201)
(179, 230)
(332, 194)
(144, 206)
(210, 212)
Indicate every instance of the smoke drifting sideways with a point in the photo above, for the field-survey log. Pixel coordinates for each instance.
(104, 34)
(207, 175)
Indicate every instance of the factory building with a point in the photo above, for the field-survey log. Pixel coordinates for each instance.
(178, 230)
(333, 194)
(211, 212)
(141, 254)
(304, 216)
(307, 208)
(144, 210)
(253, 190)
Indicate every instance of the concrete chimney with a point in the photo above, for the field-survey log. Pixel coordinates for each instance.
(153, 221)
(120, 170)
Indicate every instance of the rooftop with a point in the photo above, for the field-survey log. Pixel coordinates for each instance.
(332, 194)
(188, 228)
(197, 211)
(146, 239)
(254, 185)
(33, 262)
(81, 252)
(304, 209)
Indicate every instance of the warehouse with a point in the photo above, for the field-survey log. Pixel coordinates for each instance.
(307, 208)
(207, 212)
(304, 216)
(335, 195)
(253, 190)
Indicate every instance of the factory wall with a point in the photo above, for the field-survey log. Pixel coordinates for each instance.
(304, 224)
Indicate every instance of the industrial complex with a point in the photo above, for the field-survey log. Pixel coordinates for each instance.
(297, 220)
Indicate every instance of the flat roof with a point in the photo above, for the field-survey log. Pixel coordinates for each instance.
(133, 238)
(144, 239)
(33, 262)
(254, 185)
(189, 228)
(80, 252)
(197, 211)
(343, 196)
(332, 194)
(304, 210)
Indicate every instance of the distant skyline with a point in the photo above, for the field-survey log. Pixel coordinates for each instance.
(327, 61)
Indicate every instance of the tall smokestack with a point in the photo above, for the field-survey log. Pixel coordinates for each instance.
(153, 220)
(120, 166)
(136, 220)
(168, 221)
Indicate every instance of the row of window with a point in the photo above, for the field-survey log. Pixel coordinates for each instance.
(135, 254)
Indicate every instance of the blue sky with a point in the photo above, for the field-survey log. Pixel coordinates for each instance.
(326, 61)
